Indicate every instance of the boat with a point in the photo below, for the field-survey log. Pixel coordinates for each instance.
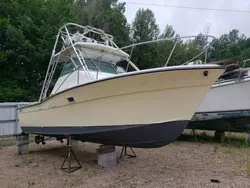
(101, 96)
(226, 107)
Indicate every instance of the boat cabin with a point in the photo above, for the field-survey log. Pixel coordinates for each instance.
(92, 61)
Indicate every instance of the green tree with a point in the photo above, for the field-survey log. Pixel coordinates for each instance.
(231, 45)
(27, 33)
(144, 28)
(169, 32)
(107, 15)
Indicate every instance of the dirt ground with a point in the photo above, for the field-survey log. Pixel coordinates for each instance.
(180, 164)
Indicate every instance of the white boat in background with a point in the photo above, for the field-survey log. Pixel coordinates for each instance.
(102, 97)
(226, 106)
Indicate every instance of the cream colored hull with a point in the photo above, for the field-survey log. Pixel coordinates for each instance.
(153, 96)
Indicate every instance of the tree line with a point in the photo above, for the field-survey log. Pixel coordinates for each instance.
(28, 29)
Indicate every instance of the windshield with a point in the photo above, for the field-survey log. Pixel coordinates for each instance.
(105, 67)
(94, 65)
(118, 69)
(69, 67)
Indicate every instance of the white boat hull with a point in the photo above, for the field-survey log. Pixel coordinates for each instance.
(112, 110)
(226, 107)
(228, 96)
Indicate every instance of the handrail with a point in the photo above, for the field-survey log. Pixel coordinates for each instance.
(162, 40)
(230, 80)
(245, 61)
(171, 53)
(235, 79)
(90, 28)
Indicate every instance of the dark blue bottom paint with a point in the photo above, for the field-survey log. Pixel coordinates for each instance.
(138, 136)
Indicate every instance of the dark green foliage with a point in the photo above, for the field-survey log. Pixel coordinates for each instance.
(28, 29)
(27, 34)
(105, 14)
(144, 28)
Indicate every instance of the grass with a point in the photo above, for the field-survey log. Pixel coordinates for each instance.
(239, 142)
(230, 139)
(6, 141)
(248, 166)
(235, 173)
(227, 151)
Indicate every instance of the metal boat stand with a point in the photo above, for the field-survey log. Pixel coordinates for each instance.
(194, 135)
(70, 155)
(124, 152)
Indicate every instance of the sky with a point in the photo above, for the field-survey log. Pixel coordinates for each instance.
(191, 22)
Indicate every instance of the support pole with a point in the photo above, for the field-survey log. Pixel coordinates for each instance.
(124, 152)
(194, 135)
(219, 135)
(70, 155)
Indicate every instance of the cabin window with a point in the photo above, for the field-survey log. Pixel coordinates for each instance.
(118, 69)
(91, 66)
(123, 65)
(95, 65)
(106, 67)
(68, 68)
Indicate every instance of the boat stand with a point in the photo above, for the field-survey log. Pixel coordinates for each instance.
(195, 135)
(124, 152)
(70, 155)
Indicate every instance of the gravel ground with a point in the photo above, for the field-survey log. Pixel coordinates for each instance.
(180, 164)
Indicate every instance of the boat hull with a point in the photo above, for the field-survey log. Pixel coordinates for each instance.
(226, 107)
(227, 96)
(143, 101)
(230, 121)
(138, 136)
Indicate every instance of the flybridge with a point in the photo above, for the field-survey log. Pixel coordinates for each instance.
(86, 34)
(73, 35)
(82, 46)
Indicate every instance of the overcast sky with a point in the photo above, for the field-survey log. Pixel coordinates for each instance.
(191, 22)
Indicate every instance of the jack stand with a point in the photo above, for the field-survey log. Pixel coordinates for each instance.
(124, 152)
(70, 169)
(194, 134)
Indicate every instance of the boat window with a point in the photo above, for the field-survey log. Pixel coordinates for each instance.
(124, 65)
(91, 66)
(105, 67)
(68, 68)
(118, 69)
